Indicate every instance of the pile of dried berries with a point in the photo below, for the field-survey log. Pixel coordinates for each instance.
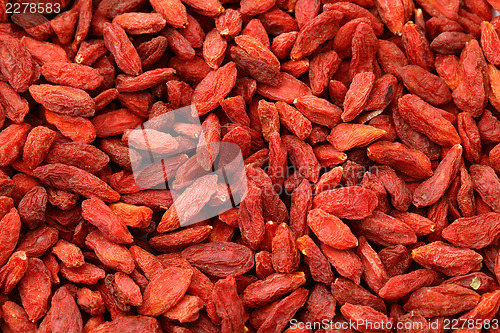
(370, 135)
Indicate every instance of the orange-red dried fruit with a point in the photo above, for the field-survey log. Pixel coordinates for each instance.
(374, 272)
(385, 230)
(490, 42)
(431, 88)
(318, 110)
(473, 80)
(213, 88)
(485, 183)
(256, 60)
(409, 161)
(346, 136)
(264, 291)
(427, 120)
(124, 52)
(314, 33)
(330, 230)
(357, 95)
(444, 300)
(162, 294)
(352, 202)
(447, 259)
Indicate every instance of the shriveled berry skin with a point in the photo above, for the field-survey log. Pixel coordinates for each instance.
(245, 166)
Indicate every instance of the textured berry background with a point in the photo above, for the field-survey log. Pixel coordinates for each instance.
(260, 166)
